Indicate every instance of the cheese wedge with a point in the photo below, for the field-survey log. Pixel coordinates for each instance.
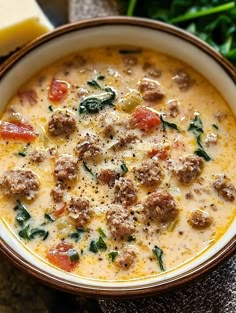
(20, 22)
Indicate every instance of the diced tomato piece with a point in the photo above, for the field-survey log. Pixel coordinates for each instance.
(59, 211)
(58, 90)
(29, 96)
(162, 154)
(17, 131)
(145, 119)
(63, 256)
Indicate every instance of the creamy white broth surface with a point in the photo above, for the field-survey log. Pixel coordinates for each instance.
(151, 108)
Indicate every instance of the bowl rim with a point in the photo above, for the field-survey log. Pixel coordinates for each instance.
(168, 284)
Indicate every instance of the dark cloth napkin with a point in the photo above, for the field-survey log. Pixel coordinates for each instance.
(216, 292)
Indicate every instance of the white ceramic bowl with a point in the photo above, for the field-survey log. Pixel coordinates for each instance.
(116, 31)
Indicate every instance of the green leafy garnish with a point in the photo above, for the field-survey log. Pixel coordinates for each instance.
(73, 255)
(24, 233)
(29, 234)
(22, 213)
(94, 84)
(49, 217)
(202, 153)
(93, 247)
(76, 234)
(88, 169)
(101, 245)
(38, 232)
(50, 108)
(131, 238)
(112, 255)
(166, 124)
(212, 21)
(215, 126)
(158, 254)
(22, 153)
(101, 77)
(101, 232)
(94, 104)
(124, 168)
(196, 127)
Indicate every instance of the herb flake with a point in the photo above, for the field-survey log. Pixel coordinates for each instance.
(73, 255)
(112, 255)
(38, 232)
(22, 213)
(215, 126)
(124, 168)
(101, 232)
(89, 170)
(158, 254)
(202, 153)
(196, 127)
(101, 245)
(166, 124)
(93, 247)
(94, 84)
(94, 104)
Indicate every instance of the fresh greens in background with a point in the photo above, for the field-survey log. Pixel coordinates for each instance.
(213, 21)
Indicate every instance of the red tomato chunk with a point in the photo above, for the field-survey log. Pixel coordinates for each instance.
(58, 90)
(64, 256)
(17, 131)
(162, 154)
(145, 119)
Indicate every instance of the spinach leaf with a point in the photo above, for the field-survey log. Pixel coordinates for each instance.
(22, 214)
(49, 217)
(94, 84)
(24, 233)
(202, 153)
(131, 238)
(88, 169)
(215, 126)
(93, 247)
(94, 104)
(166, 124)
(23, 152)
(101, 245)
(158, 254)
(76, 234)
(212, 21)
(101, 232)
(38, 232)
(73, 255)
(196, 127)
(124, 168)
(101, 77)
(112, 255)
(50, 108)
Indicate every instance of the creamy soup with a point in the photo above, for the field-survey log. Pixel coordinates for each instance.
(118, 163)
